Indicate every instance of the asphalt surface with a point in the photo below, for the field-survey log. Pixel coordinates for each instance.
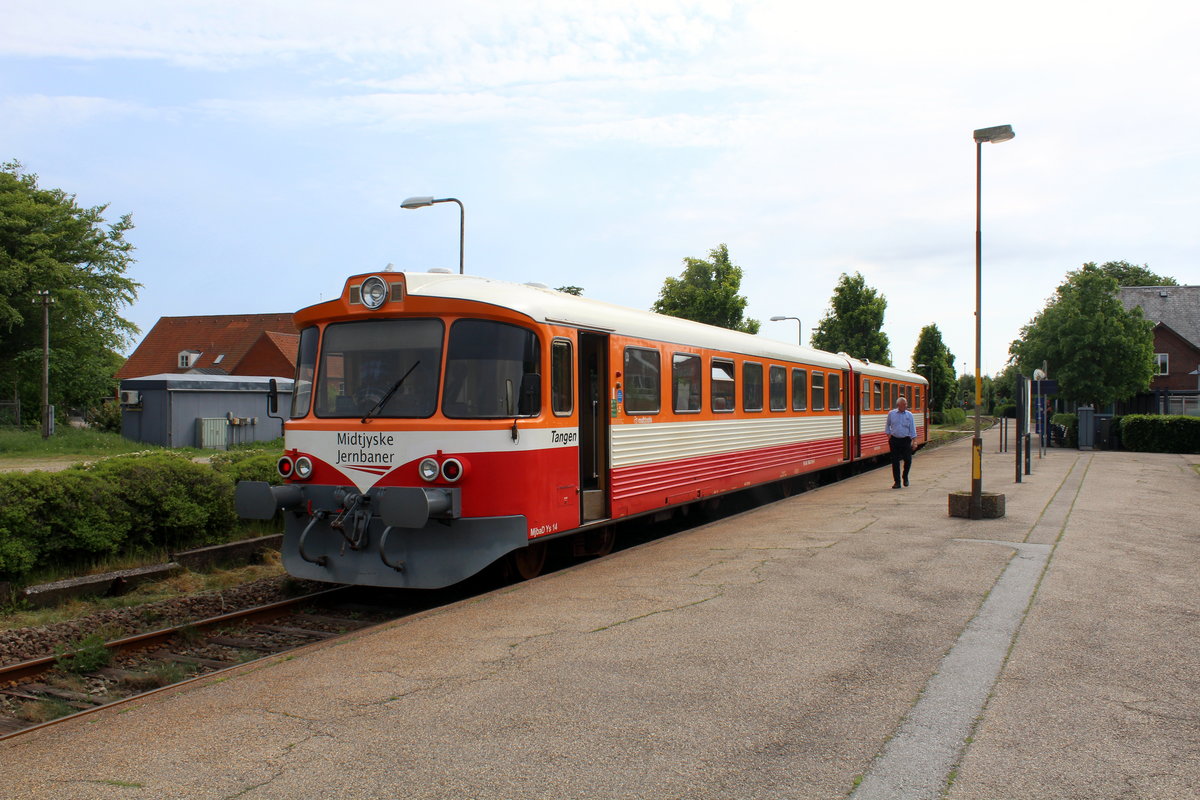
(853, 640)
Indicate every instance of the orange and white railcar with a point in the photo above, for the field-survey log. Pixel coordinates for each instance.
(440, 422)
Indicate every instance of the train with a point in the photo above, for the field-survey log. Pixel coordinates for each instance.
(441, 423)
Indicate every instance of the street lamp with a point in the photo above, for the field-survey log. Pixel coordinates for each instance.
(799, 327)
(421, 202)
(995, 135)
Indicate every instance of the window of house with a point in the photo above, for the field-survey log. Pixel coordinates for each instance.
(723, 385)
(562, 377)
(642, 381)
(835, 392)
(818, 391)
(778, 388)
(799, 390)
(685, 383)
(1161, 364)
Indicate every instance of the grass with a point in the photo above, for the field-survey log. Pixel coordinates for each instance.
(181, 585)
(82, 444)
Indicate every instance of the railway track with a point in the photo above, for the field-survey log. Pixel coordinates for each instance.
(97, 674)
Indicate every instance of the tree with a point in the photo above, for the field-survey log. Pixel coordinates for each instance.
(939, 366)
(707, 291)
(854, 322)
(1127, 274)
(48, 242)
(575, 290)
(1098, 351)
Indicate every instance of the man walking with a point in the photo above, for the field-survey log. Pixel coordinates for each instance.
(901, 429)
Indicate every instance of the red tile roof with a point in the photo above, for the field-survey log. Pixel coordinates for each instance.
(223, 341)
(271, 354)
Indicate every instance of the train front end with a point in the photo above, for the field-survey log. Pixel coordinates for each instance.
(412, 454)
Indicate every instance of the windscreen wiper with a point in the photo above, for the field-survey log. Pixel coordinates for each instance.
(395, 386)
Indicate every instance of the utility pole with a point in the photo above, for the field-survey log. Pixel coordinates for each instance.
(47, 418)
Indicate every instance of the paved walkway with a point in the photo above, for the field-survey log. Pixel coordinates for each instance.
(854, 640)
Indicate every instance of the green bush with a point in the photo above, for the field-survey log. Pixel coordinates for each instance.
(1007, 410)
(1156, 433)
(172, 500)
(106, 417)
(248, 465)
(1071, 423)
(954, 416)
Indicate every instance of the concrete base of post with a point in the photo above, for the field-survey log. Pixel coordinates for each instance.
(992, 504)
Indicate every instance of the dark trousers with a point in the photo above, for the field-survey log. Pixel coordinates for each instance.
(901, 447)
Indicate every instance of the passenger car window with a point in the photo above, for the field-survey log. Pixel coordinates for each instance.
(642, 381)
(835, 391)
(752, 386)
(723, 385)
(799, 390)
(818, 391)
(778, 388)
(686, 385)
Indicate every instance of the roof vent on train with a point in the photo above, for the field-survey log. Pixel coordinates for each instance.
(440, 271)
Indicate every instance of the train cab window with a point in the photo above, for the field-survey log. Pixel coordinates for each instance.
(686, 387)
(752, 386)
(835, 392)
(306, 367)
(866, 395)
(818, 391)
(778, 388)
(878, 396)
(381, 368)
(723, 385)
(562, 377)
(492, 371)
(642, 381)
(799, 389)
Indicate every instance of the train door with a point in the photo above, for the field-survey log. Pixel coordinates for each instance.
(850, 417)
(593, 425)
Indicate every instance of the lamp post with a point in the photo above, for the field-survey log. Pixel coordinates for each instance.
(799, 327)
(46, 300)
(421, 202)
(995, 135)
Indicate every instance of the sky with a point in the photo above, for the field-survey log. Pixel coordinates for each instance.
(264, 148)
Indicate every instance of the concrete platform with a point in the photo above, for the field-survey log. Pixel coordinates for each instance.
(851, 641)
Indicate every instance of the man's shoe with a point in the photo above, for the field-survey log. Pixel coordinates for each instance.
(906, 481)
(895, 486)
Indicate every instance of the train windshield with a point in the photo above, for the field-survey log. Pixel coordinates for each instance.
(381, 368)
(491, 371)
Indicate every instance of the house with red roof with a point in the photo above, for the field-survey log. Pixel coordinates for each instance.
(223, 344)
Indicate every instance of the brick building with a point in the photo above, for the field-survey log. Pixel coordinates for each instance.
(1175, 312)
(224, 344)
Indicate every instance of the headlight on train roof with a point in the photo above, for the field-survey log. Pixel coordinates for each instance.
(304, 468)
(428, 469)
(374, 292)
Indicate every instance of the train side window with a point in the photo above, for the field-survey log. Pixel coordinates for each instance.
(799, 389)
(888, 399)
(835, 392)
(778, 381)
(306, 366)
(686, 386)
(724, 390)
(643, 393)
(866, 395)
(752, 386)
(818, 391)
(878, 396)
(562, 377)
